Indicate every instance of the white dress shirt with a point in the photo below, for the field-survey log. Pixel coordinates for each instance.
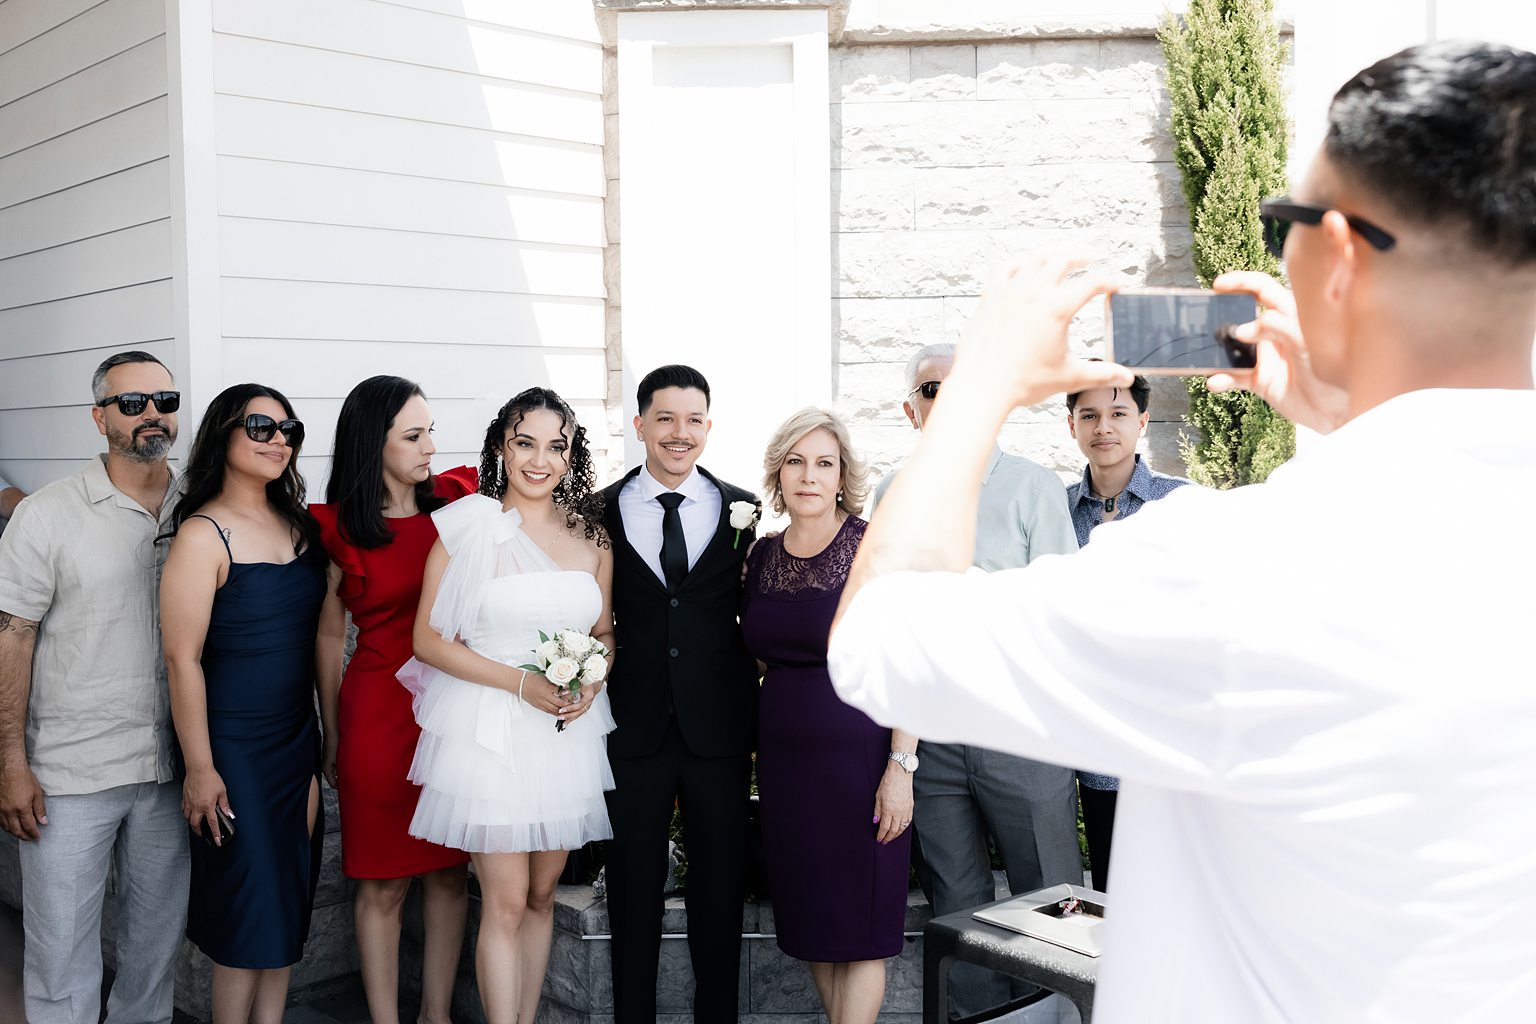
(1319, 692)
(642, 514)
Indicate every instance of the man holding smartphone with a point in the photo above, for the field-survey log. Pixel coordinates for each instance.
(1323, 722)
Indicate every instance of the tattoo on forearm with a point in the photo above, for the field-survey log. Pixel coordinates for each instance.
(15, 623)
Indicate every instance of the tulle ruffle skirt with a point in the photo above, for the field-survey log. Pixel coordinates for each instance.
(496, 777)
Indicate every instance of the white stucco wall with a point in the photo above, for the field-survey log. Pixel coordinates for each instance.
(85, 207)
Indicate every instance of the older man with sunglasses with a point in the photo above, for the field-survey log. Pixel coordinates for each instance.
(86, 745)
(964, 794)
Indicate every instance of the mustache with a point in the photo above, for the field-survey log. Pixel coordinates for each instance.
(151, 425)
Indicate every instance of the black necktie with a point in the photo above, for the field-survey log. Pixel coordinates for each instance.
(674, 548)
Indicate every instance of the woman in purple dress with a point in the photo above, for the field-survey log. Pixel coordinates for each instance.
(835, 789)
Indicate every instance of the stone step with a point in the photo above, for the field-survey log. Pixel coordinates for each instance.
(775, 988)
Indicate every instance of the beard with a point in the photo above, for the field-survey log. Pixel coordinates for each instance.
(136, 448)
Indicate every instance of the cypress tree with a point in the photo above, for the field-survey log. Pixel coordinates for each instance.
(1229, 130)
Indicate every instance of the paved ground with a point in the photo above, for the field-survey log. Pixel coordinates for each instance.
(335, 1002)
(341, 1001)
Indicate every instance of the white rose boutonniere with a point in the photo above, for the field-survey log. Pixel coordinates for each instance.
(743, 517)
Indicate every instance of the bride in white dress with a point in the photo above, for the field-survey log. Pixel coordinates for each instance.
(527, 553)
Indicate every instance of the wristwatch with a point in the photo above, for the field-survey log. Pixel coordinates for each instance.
(907, 761)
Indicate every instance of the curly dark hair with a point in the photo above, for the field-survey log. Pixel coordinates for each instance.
(577, 491)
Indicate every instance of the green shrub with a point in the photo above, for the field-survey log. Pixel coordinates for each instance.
(1229, 128)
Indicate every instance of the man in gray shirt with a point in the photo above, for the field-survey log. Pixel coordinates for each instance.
(963, 794)
(86, 745)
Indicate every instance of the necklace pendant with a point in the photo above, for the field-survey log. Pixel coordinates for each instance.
(1109, 504)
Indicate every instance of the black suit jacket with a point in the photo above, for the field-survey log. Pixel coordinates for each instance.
(681, 649)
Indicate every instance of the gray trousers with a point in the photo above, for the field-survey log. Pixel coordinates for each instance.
(64, 885)
(962, 794)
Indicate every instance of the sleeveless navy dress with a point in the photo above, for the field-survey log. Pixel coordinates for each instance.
(251, 898)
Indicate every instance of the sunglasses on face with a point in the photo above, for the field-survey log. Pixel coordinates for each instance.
(262, 428)
(132, 403)
(929, 389)
(1277, 216)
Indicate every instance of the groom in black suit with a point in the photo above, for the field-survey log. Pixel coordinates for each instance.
(684, 694)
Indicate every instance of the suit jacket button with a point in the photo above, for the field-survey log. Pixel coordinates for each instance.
(674, 602)
(674, 652)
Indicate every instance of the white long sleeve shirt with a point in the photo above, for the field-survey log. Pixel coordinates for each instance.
(1321, 697)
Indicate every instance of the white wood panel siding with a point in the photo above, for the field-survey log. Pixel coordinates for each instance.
(413, 188)
(85, 210)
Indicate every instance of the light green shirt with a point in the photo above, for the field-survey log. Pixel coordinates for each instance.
(1022, 513)
(80, 558)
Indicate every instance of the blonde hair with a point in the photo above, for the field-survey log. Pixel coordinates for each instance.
(855, 485)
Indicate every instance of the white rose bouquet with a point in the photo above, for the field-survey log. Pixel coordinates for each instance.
(743, 517)
(570, 659)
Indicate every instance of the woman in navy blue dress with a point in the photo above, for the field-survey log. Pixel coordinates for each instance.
(239, 602)
(834, 788)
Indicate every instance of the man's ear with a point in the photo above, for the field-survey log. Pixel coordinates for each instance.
(639, 431)
(709, 425)
(906, 407)
(1072, 426)
(1143, 419)
(1342, 255)
(100, 416)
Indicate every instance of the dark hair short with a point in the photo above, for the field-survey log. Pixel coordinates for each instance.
(674, 375)
(1446, 134)
(99, 378)
(1140, 389)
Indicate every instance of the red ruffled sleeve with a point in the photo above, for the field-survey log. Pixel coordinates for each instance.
(453, 484)
(347, 557)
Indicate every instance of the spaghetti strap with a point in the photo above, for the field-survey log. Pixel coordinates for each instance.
(223, 535)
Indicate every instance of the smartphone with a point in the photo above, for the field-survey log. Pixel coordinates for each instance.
(1185, 332)
(223, 824)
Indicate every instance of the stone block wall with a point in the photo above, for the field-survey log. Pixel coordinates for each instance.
(950, 157)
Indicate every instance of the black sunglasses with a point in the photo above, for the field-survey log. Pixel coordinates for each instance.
(1277, 215)
(929, 389)
(131, 403)
(262, 428)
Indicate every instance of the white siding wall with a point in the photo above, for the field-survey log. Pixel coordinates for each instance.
(84, 216)
(410, 187)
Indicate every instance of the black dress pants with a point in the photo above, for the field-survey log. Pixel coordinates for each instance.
(712, 793)
(1099, 830)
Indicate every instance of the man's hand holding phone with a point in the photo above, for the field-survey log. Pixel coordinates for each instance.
(1015, 347)
(1282, 374)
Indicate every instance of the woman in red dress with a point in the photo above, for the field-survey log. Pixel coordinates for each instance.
(377, 526)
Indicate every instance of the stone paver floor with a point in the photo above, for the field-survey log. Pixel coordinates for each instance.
(333, 1002)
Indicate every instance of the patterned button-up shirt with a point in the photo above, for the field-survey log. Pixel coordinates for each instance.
(81, 558)
(1088, 512)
